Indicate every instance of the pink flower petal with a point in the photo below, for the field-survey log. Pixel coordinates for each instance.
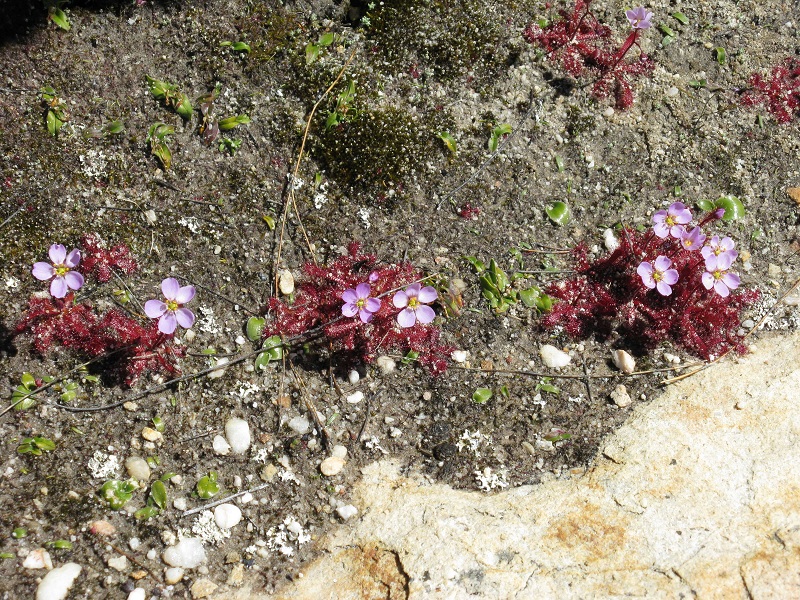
(662, 264)
(73, 259)
(170, 287)
(74, 280)
(661, 230)
(406, 318)
(184, 295)
(167, 323)
(400, 300)
(721, 289)
(708, 280)
(185, 317)
(724, 261)
(364, 315)
(154, 308)
(427, 295)
(413, 289)
(663, 288)
(57, 254)
(43, 271)
(362, 290)
(349, 309)
(373, 305)
(731, 280)
(350, 297)
(670, 276)
(425, 314)
(58, 288)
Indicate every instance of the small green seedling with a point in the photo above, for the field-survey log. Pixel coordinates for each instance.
(448, 140)
(69, 391)
(229, 123)
(681, 18)
(236, 46)
(59, 545)
(273, 350)
(669, 34)
(255, 328)
(720, 55)
(171, 97)
(410, 358)
(502, 291)
(35, 446)
(344, 111)
(19, 533)
(22, 397)
(156, 502)
(558, 212)
(498, 133)
(56, 115)
(157, 137)
(207, 487)
(109, 129)
(7, 555)
(158, 424)
(481, 395)
(557, 435)
(229, 145)
(313, 50)
(116, 493)
(546, 386)
(56, 13)
(733, 206)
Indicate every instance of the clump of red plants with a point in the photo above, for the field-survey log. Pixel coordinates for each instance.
(132, 349)
(652, 289)
(585, 48)
(779, 92)
(317, 312)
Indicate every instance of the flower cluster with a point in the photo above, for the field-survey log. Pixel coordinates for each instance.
(78, 325)
(673, 282)
(584, 48)
(348, 302)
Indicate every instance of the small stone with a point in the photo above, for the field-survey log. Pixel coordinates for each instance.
(355, 397)
(331, 466)
(140, 574)
(748, 323)
(236, 576)
(137, 594)
(608, 112)
(173, 575)
(240, 340)
(227, 516)
(353, 377)
(459, 356)
(189, 336)
(102, 528)
(55, 585)
(221, 445)
(187, 554)
(38, 559)
(237, 432)
(120, 563)
(299, 425)
(528, 448)
(286, 282)
(553, 357)
(672, 92)
(217, 373)
(347, 511)
(386, 364)
(339, 451)
(610, 240)
(245, 498)
(623, 361)
(268, 472)
(151, 435)
(180, 504)
(232, 557)
(137, 468)
(774, 270)
(620, 396)
(545, 445)
(130, 406)
(134, 543)
(150, 217)
(203, 588)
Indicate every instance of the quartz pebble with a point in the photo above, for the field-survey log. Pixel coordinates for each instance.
(620, 396)
(353, 377)
(610, 240)
(355, 397)
(227, 516)
(38, 559)
(623, 361)
(151, 435)
(173, 575)
(459, 356)
(300, 425)
(137, 468)
(119, 563)
(347, 511)
(102, 528)
(553, 357)
(386, 364)
(331, 466)
(55, 585)
(203, 588)
(217, 373)
(187, 554)
(237, 432)
(221, 445)
(286, 282)
(339, 451)
(137, 594)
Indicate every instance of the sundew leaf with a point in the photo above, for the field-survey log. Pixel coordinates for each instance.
(734, 209)
(158, 492)
(482, 395)
(558, 213)
(448, 140)
(255, 327)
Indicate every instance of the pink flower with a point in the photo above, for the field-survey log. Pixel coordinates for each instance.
(718, 246)
(692, 240)
(718, 276)
(413, 301)
(639, 18)
(659, 275)
(357, 301)
(671, 221)
(171, 313)
(64, 279)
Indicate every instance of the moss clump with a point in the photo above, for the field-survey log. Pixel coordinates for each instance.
(376, 153)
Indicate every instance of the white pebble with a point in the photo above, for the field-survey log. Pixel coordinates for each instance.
(134, 543)
(331, 466)
(137, 594)
(118, 563)
(173, 575)
(152, 435)
(299, 425)
(610, 240)
(240, 340)
(38, 559)
(459, 356)
(286, 282)
(673, 91)
(180, 503)
(748, 323)
(227, 516)
(137, 468)
(246, 498)
(355, 397)
(237, 432)
(620, 396)
(608, 112)
(623, 361)
(386, 364)
(553, 357)
(187, 554)
(347, 511)
(55, 585)
(221, 445)
(353, 377)
(339, 451)
(219, 362)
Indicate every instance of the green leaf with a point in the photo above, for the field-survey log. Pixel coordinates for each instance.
(255, 328)
(17, 396)
(720, 55)
(448, 140)
(698, 83)
(273, 351)
(207, 486)
(270, 221)
(481, 395)
(161, 151)
(158, 492)
(498, 276)
(7, 555)
(231, 122)
(60, 545)
(19, 533)
(312, 53)
(44, 444)
(546, 387)
(529, 296)
(497, 134)
(145, 513)
(159, 89)
(29, 381)
(559, 163)
(706, 205)
(557, 436)
(184, 107)
(667, 40)
(504, 392)
(476, 264)
(410, 357)
(241, 47)
(680, 17)
(734, 209)
(158, 424)
(558, 213)
(326, 39)
(59, 17)
(53, 123)
(116, 493)
(667, 30)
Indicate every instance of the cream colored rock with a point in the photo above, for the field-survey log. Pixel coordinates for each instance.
(554, 358)
(286, 282)
(331, 466)
(623, 361)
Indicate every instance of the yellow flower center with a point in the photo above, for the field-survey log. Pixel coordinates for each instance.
(61, 270)
(657, 275)
(670, 221)
(361, 302)
(717, 274)
(413, 303)
(172, 305)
